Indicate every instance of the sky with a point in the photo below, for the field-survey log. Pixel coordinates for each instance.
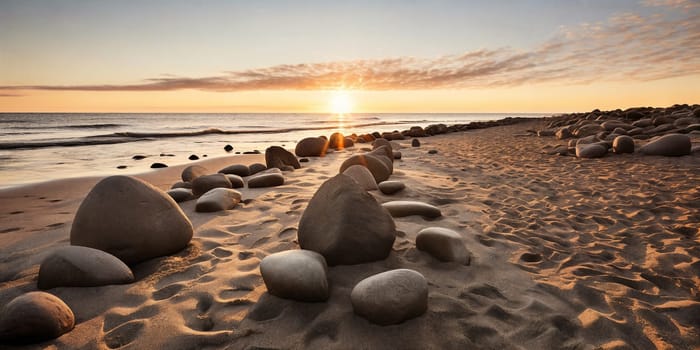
(366, 56)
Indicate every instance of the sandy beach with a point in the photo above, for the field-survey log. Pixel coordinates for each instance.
(566, 253)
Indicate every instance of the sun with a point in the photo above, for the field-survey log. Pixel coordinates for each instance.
(341, 102)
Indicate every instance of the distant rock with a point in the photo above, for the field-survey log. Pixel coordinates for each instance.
(203, 184)
(35, 317)
(362, 176)
(376, 166)
(236, 169)
(587, 130)
(407, 208)
(564, 133)
(623, 144)
(236, 181)
(138, 157)
(218, 199)
(391, 297)
(193, 157)
(416, 131)
(592, 150)
(158, 165)
(397, 155)
(181, 194)
(433, 151)
(256, 168)
(349, 142)
(296, 274)
(303, 160)
(121, 166)
(337, 141)
(228, 148)
(76, 266)
(192, 172)
(391, 187)
(415, 143)
(266, 180)
(346, 224)
(672, 145)
(131, 220)
(311, 147)
(443, 244)
(278, 157)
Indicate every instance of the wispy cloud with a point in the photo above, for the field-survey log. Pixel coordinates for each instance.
(625, 47)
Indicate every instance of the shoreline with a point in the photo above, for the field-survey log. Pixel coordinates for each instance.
(566, 252)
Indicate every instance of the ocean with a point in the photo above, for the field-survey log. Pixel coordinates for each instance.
(37, 147)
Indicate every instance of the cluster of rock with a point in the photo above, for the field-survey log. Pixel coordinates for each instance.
(344, 224)
(659, 131)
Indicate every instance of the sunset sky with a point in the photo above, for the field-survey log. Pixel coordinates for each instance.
(383, 56)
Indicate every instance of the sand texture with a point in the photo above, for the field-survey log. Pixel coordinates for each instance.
(566, 253)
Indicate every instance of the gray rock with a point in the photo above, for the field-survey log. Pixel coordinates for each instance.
(311, 147)
(406, 208)
(236, 169)
(643, 123)
(181, 184)
(623, 144)
(269, 179)
(375, 165)
(415, 143)
(203, 184)
(593, 150)
(346, 224)
(384, 149)
(668, 145)
(131, 220)
(256, 168)
(391, 297)
(362, 176)
(236, 181)
(278, 157)
(588, 130)
(75, 266)
(391, 187)
(181, 194)
(444, 244)
(564, 133)
(34, 317)
(545, 133)
(218, 199)
(158, 165)
(296, 274)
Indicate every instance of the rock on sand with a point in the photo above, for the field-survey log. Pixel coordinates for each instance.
(181, 194)
(311, 147)
(668, 145)
(236, 169)
(362, 176)
(131, 220)
(346, 224)
(203, 184)
(75, 266)
(34, 317)
(391, 297)
(280, 158)
(218, 199)
(391, 187)
(623, 144)
(444, 244)
(376, 166)
(407, 208)
(296, 274)
(267, 179)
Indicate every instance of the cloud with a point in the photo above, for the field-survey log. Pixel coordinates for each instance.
(626, 47)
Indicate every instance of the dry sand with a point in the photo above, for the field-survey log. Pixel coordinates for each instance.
(567, 253)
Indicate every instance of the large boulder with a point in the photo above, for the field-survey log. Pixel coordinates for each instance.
(131, 220)
(444, 244)
(75, 266)
(311, 147)
(623, 144)
(668, 145)
(346, 224)
(192, 172)
(34, 317)
(391, 297)
(218, 199)
(407, 208)
(296, 274)
(203, 184)
(280, 158)
(375, 164)
(362, 176)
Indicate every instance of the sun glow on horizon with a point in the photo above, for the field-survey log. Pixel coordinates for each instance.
(341, 102)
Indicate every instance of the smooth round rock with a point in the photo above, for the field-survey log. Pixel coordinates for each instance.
(391, 187)
(218, 199)
(443, 244)
(236, 181)
(76, 266)
(266, 180)
(158, 165)
(592, 150)
(296, 274)
(407, 208)
(311, 147)
(228, 148)
(193, 157)
(278, 157)
(623, 144)
(236, 169)
(256, 168)
(397, 155)
(415, 143)
(362, 176)
(180, 195)
(671, 145)
(336, 141)
(391, 297)
(181, 184)
(346, 224)
(376, 166)
(131, 220)
(34, 317)
(204, 183)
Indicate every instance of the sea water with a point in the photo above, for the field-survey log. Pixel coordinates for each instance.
(36, 147)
